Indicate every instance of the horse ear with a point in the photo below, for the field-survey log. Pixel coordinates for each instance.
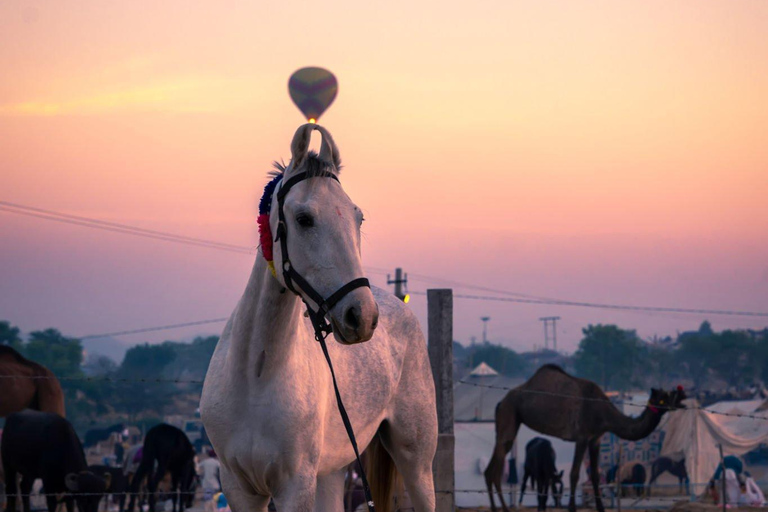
(328, 149)
(300, 145)
(107, 480)
(71, 481)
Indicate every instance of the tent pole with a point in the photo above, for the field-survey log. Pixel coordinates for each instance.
(722, 475)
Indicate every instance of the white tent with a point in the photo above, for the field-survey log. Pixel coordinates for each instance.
(696, 433)
(483, 370)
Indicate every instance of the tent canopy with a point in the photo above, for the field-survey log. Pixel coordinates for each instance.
(697, 433)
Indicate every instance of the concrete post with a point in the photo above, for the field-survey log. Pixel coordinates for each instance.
(440, 310)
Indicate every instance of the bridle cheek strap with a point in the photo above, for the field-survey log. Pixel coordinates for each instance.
(319, 321)
(321, 325)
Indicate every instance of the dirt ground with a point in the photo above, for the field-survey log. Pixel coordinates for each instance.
(682, 506)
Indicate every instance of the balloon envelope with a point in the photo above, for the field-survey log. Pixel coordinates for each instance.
(313, 90)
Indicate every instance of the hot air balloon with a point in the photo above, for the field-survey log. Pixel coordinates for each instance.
(313, 90)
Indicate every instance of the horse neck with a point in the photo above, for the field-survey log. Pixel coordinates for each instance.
(266, 324)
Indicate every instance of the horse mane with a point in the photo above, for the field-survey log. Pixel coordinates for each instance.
(314, 166)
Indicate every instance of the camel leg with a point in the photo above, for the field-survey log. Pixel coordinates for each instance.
(594, 455)
(578, 457)
(330, 492)
(505, 439)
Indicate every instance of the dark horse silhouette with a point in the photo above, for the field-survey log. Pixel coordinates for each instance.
(630, 474)
(541, 469)
(676, 468)
(170, 448)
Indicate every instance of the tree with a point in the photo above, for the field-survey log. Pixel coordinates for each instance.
(613, 357)
(56, 352)
(9, 335)
(698, 349)
(139, 392)
(737, 360)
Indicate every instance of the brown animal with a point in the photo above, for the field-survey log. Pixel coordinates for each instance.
(560, 405)
(25, 384)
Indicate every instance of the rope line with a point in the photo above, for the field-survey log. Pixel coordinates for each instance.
(596, 305)
(41, 213)
(120, 228)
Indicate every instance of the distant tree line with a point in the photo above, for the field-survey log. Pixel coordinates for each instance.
(618, 359)
(129, 390)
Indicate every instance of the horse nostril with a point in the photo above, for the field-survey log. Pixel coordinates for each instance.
(375, 322)
(352, 317)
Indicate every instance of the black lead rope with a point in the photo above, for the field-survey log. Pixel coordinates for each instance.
(321, 325)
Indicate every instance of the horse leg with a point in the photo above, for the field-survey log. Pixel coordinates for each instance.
(11, 488)
(541, 494)
(522, 486)
(594, 454)
(154, 480)
(144, 469)
(578, 457)
(175, 492)
(410, 438)
(237, 499)
(297, 494)
(26, 488)
(330, 492)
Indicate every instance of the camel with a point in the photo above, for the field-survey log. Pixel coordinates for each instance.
(27, 385)
(560, 405)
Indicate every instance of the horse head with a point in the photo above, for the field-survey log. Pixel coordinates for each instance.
(557, 488)
(318, 229)
(88, 488)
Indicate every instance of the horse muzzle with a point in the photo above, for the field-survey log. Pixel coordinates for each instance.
(355, 317)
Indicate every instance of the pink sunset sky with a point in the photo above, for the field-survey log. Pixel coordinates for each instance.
(602, 151)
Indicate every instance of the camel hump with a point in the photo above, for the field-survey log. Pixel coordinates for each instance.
(553, 367)
(39, 369)
(7, 350)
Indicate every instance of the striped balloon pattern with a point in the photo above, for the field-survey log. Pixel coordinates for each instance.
(313, 90)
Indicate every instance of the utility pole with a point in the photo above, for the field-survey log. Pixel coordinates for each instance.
(400, 280)
(547, 320)
(485, 320)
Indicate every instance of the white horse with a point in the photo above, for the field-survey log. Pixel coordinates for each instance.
(268, 402)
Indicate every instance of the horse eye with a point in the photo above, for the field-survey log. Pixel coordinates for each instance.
(305, 220)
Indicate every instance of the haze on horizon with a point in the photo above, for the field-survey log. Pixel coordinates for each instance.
(599, 151)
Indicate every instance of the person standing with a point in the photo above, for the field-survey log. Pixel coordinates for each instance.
(210, 480)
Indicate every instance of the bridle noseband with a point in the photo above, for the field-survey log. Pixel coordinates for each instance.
(318, 317)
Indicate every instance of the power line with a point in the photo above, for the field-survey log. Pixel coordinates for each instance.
(621, 307)
(119, 228)
(89, 222)
(154, 329)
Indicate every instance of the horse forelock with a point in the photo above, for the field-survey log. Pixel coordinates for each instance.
(312, 165)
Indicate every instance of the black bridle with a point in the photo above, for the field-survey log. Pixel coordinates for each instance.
(320, 323)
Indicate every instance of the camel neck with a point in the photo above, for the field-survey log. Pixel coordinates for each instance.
(630, 428)
(265, 324)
